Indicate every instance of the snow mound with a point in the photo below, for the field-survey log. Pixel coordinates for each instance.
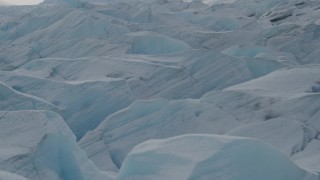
(210, 157)
(40, 145)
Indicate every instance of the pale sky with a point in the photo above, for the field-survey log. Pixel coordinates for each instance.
(20, 2)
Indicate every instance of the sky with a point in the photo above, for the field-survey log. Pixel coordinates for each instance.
(20, 2)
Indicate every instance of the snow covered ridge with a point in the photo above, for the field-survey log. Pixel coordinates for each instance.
(160, 89)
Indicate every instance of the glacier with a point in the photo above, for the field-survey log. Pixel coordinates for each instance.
(209, 157)
(38, 144)
(160, 89)
(7, 175)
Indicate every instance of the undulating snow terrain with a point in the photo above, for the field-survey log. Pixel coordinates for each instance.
(160, 90)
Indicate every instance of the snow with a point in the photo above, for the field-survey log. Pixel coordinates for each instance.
(74, 3)
(209, 156)
(14, 100)
(293, 82)
(295, 133)
(64, 95)
(6, 175)
(176, 75)
(157, 45)
(94, 79)
(155, 119)
(309, 157)
(43, 146)
(212, 2)
(284, 93)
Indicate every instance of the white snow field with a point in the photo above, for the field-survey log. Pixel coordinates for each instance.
(160, 90)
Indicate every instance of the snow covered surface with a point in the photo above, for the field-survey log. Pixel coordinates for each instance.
(40, 145)
(295, 133)
(6, 175)
(158, 118)
(209, 157)
(84, 86)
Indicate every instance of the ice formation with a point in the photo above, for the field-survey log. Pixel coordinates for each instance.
(209, 157)
(40, 145)
(87, 86)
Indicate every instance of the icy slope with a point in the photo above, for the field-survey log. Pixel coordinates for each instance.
(178, 75)
(13, 100)
(6, 175)
(188, 26)
(82, 104)
(159, 118)
(309, 157)
(290, 93)
(209, 157)
(289, 136)
(276, 101)
(39, 145)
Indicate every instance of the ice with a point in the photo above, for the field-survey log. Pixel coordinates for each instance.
(122, 72)
(295, 133)
(98, 152)
(177, 75)
(284, 93)
(159, 118)
(96, 99)
(13, 100)
(157, 45)
(74, 3)
(211, 2)
(71, 3)
(247, 51)
(293, 81)
(309, 157)
(143, 16)
(210, 157)
(40, 145)
(6, 175)
(263, 66)
(46, 29)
